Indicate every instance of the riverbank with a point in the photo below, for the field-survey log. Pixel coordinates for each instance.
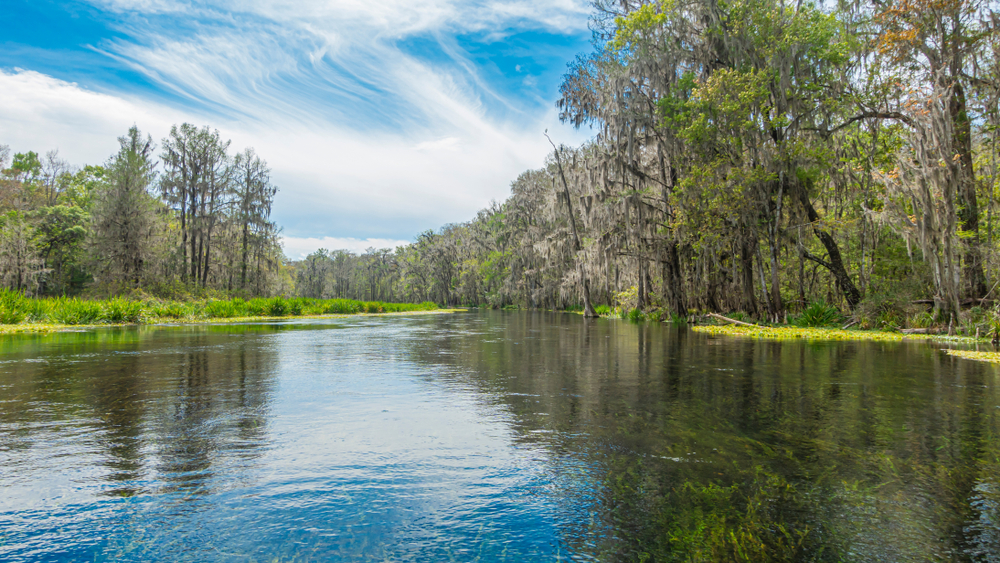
(20, 314)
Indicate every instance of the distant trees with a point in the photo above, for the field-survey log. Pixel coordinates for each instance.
(252, 195)
(220, 201)
(104, 227)
(752, 156)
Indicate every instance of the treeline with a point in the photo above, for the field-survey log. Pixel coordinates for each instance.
(192, 219)
(751, 156)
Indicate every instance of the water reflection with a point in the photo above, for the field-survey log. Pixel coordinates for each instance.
(491, 436)
(710, 448)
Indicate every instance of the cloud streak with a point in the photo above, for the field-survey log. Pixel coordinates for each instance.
(376, 118)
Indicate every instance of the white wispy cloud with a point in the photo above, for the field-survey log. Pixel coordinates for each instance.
(366, 137)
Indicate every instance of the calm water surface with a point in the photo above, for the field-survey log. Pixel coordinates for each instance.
(491, 436)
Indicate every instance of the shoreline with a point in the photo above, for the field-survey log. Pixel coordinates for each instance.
(45, 328)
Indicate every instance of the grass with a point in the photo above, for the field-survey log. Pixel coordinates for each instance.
(24, 314)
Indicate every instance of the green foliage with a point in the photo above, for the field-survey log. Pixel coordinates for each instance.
(819, 314)
(13, 307)
(627, 301)
(16, 308)
(277, 307)
(224, 309)
(602, 310)
(883, 311)
(119, 310)
(72, 311)
(172, 310)
(922, 319)
(995, 328)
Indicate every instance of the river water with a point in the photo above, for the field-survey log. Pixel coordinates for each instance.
(491, 436)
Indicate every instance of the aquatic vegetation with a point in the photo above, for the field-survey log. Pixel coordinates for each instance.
(993, 357)
(799, 333)
(41, 314)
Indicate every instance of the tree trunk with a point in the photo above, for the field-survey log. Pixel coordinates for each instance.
(746, 272)
(968, 212)
(834, 263)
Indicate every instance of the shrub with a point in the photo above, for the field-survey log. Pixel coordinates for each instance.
(602, 310)
(819, 314)
(922, 319)
(221, 310)
(172, 310)
(75, 311)
(13, 307)
(277, 307)
(627, 300)
(883, 311)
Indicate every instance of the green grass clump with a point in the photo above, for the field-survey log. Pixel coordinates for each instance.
(171, 310)
(223, 309)
(13, 307)
(341, 307)
(277, 307)
(819, 314)
(602, 310)
(119, 310)
(73, 311)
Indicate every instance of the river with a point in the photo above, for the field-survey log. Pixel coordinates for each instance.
(491, 436)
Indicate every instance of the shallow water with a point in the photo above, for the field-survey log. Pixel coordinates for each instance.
(490, 436)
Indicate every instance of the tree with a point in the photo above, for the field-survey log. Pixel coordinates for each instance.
(20, 265)
(252, 195)
(196, 182)
(122, 222)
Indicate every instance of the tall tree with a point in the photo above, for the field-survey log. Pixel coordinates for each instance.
(196, 182)
(122, 221)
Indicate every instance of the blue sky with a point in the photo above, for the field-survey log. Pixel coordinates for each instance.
(379, 118)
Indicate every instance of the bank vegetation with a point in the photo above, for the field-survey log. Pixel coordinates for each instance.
(749, 156)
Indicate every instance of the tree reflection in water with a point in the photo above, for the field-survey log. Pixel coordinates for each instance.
(470, 435)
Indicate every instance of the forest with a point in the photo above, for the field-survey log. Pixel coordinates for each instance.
(191, 220)
(751, 156)
(748, 156)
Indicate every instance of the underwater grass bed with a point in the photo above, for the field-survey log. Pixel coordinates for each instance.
(25, 314)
